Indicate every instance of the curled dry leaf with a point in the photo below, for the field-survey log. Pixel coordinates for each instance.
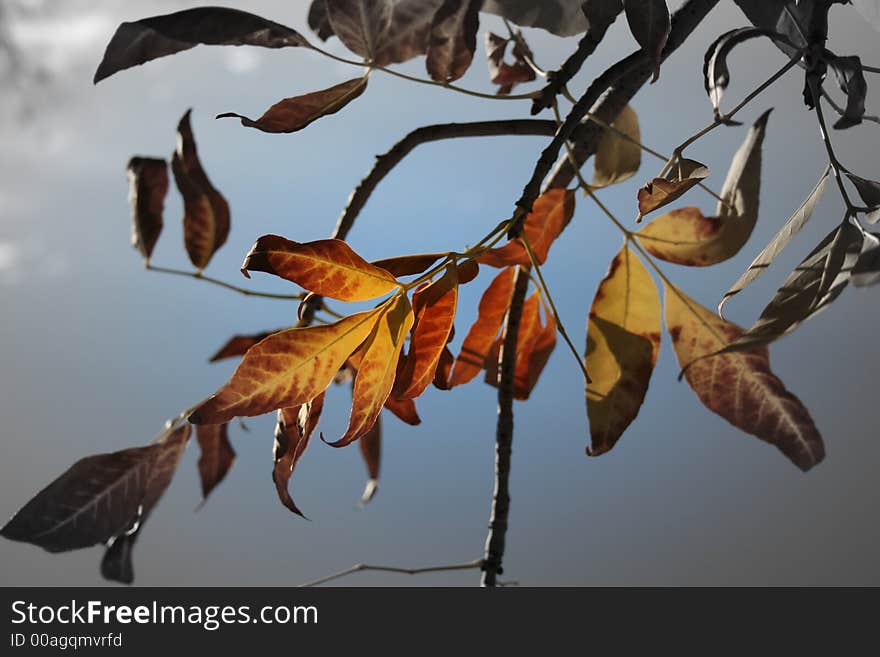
(650, 24)
(869, 191)
(851, 79)
(140, 41)
(477, 343)
(238, 345)
(684, 175)
(289, 368)
(434, 308)
(740, 387)
(217, 455)
(618, 158)
(377, 368)
(507, 76)
(623, 342)
(559, 17)
(371, 450)
(814, 284)
(326, 267)
(404, 410)
(866, 271)
(550, 215)
(293, 114)
(686, 237)
(791, 228)
(148, 181)
(319, 21)
(293, 430)
(453, 39)
(206, 212)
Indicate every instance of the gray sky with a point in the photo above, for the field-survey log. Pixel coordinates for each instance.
(96, 353)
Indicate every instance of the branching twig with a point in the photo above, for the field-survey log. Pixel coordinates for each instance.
(558, 79)
(241, 290)
(361, 567)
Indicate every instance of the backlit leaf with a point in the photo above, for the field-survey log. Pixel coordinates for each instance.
(287, 369)
(444, 370)
(371, 450)
(326, 267)
(618, 159)
(453, 39)
(409, 265)
(623, 342)
(292, 114)
(791, 228)
(150, 38)
(148, 180)
(740, 387)
(686, 237)
(507, 76)
(293, 430)
(550, 215)
(206, 212)
(662, 191)
(217, 455)
(649, 23)
(238, 345)
(377, 368)
(492, 309)
(404, 410)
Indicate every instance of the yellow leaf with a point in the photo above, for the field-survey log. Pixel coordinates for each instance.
(623, 341)
(618, 159)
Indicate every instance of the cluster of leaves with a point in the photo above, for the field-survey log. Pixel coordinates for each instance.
(392, 353)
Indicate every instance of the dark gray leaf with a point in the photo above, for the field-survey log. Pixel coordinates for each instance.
(600, 14)
(318, 20)
(867, 269)
(560, 17)
(869, 190)
(649, 23)
(141, 41)
(790, 19)
(453, 39)
(851, 79)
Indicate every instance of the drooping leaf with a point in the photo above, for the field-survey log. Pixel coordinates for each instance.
(444, 370)
(404, 410)
(686, 237)
(148, 181)
(492, 309)
(649, 23)
(790, 19)
(326, 267)
(99, 498)
(684, 175)
(453, 39)
(791, 228)
(287, 369)
(814, 284)
(140, 41)
(238, 345)
(851, 79)
(377, 368)
(371, 450)
(866, 271)
(559, 17)
(319, 21)
(293, 114)
(550, 215)
(409, 265)
(623, 342)
(869, 191)
(206, 212)
(740, 387)
(293, 429)
(434, 307)
(217, 455)
(618, 159)
(505, 75)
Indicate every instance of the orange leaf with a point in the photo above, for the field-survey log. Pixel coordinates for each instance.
(550, 214)
(408, 265)
(434, 307)
(404, 410)
(289, 368)
(293, 430)
(377, 367)
(238, 345)
(292, 114)
(217, 455)
(326, 267)
(739, 386)
(662, 191)
(444, 370)
(493, 307)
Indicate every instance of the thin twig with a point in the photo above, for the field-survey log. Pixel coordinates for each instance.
(558, 79)
(213, 281)
(361, 567)
(815, 91)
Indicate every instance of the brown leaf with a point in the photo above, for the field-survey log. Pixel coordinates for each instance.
(559, 17)
(618, 159)
(148, 180)
(650, 24)
(330, 268)
(740, 387)
(371, 450)
(444, 370)
(293, 114)
(293, 429)
(404, 410)
(150, 38)
(507, 76)
(408, 265)
(206, 212)
(238, 345)
(453, 39)
(476, 345)
(217, 456)
(319, 21)
(550, 215)
(662, 191)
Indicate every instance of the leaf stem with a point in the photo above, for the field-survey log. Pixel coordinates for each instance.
(836, 167)
(241, 290)
(361, 567)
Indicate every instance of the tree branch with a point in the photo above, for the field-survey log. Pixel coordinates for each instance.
(361, 567)
(562, 76)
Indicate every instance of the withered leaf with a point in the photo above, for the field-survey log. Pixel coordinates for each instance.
(140, 41)
(618, 159)
(505, 75)
(623, 342)
(851, 79)
(559, 17)
(293, 430)
(453, 39)
(740, 387)
(371, 450)
(217, 455)
(409, 265)
(330, 268)
(686, 237)
(206, 212)
(650, 24)
(684, 175)
(238, 345)
(319, 21)
(148, 181)
(866, 271)
(869, 191)
(293, 114)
